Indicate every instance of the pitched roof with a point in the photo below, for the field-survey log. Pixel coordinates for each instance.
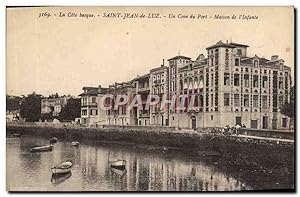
(140, 77)
(221, 44)
(238, 44)
(179, 57)
(158, 68)
(249, 60)
(92, 91)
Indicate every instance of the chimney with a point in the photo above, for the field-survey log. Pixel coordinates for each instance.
(163, 64)
(99, 89)
(274, 57)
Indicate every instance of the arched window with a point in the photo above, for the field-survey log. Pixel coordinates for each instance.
(255, 62)
(185, 85)
(196, 102)
(196, 83)
(180, 85)
(201, 83)
(173, 70)
(190, 83)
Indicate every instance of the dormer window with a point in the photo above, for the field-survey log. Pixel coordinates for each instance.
(255, 62)
(281, 66)
(239, 52)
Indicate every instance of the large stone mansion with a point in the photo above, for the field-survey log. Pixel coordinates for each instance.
(230, 88)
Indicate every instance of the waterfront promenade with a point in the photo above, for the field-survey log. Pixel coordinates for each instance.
(244, 133)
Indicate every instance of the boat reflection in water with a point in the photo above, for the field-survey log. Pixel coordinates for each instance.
(59, 178)
(118, 172)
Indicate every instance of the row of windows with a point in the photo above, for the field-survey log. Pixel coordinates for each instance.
(180, 61)
(236, 100)
(254, 123)
(116, 112)
(93, 112)
(159, 89)
(236, 80)
(85, 100)
(158, 78)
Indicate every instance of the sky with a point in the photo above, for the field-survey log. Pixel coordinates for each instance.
(63, 54)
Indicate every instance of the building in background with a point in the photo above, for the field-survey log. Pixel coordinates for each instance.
(89, 107)
(53, 105)
(229, 88)
(142, 88)
(159, 85)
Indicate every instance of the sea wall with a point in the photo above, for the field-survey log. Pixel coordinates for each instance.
(284, 134)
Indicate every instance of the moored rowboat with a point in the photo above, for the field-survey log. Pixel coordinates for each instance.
(75, 143)
(16, 135)
(41, 148)
(119, 164)
(62, 168)
(59, 178)
(53, 140)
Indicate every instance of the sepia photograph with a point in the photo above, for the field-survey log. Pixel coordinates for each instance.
(150, 98)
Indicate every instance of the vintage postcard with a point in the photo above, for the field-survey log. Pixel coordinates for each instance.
(150, 99)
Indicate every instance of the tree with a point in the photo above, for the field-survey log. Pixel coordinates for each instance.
(46, 116)
(13, 103)
(30, 108)
(288, 109)
(71, 110)
(292, 94)
(54, 95)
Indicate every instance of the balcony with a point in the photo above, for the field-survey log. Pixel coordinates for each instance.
(88, 104)
(144, 114)
(143, 89)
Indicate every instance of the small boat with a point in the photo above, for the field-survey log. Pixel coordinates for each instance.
(16, 135)
(41, 148)
(75, 143)
(59, 178)
(119, 164)
(62, 168)
(53, 140)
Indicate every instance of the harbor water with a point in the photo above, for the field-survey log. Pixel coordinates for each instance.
(147, 168)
